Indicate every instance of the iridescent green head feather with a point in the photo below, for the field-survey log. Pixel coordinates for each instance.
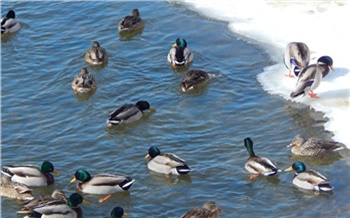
(299, 167)
(248, 143)
(82, 175)
(153, 151)
(181, 42)
(46, 167)
(118, 212)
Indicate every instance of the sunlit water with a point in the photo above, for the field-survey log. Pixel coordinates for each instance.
(42, 119)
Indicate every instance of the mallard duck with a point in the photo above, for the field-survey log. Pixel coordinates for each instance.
(96, 55)
(209, 210)
(193, 79)
(57, 208)
(101, 183)
(258, 165)
(179, 54)
(311, 76)
(14, 190)
(128, 113)
(296, 57)
(132, 22)
(29, 205)
(309, 179)
(9, 24)
(117, 212)
(166, 163)
(83, 82)
(31, 175)
(313, 146)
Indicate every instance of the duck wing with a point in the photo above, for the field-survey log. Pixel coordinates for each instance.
(314, 143)
(170, 159)
(306, 78)
(129, 21)
(22, 170)
(198, 212)
(107, 180)
(124, 112)
(55, 208)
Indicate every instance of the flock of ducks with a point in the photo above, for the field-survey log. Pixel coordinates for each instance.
(17, 179)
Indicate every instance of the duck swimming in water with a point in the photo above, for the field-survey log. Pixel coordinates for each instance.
(31, 175)
(194, 79)
(314, 146)
(132, 22)
(96, 55)
(310, 77)
(209, 210)
(166, 163)
(60, 208)
(309, 179)
(179, 54)
(83, 82)
(258, 165)
(101, 183)
(296, 57)
(9, 24)
(128, 113)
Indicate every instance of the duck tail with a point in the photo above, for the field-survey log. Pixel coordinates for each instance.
(127, 183)
(296, 94)
(7, 172)
(183, 169)
(325, 186)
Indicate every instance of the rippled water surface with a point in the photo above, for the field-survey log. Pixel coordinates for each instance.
(42, 119)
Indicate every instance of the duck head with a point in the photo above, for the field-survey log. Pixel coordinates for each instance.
(81, 175)
(298, 167)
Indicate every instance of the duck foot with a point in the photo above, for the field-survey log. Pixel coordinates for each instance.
(253, 176)
(104, 199)
(289, 75)
(313, 95)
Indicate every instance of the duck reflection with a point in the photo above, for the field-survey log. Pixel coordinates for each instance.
(170, 180)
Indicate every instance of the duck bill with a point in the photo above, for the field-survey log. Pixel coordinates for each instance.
(147, 156)
(174, 45)
(56, 173)
(73, 180)
(288, 169)
(152, 109)
(290, 145)
(86, 202)
(332, 67)
(125, 214)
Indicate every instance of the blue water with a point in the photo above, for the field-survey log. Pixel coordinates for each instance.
(42, 118)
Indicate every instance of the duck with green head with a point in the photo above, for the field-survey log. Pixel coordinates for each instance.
(309, 179)
(59, 208)
(117, 212)
(128, 113)
(101, 183)
(166, 163)
(258, 165)
(179, 54)
(31, 175)
(9, 24)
